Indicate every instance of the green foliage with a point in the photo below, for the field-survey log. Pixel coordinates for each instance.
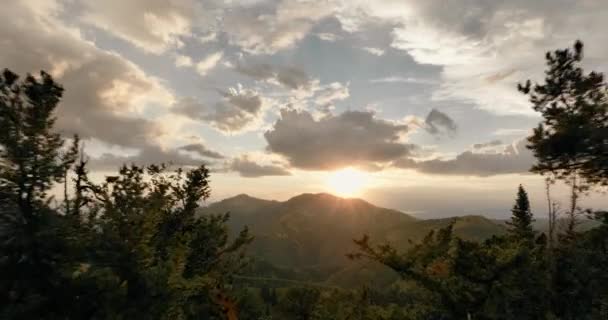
(494, 279)
(168, 263)
(130, 247)
(289, 243)
(578, 278)
(34, 281)
(515, 276)
(300, 303)
(521, 219)
(572, 139)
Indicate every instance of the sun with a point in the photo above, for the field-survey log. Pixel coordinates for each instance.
(347, 182)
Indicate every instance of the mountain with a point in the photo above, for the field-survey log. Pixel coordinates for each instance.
(309, 229)
(312, 233)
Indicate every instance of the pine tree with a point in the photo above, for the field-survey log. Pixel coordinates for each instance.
(571, 139)
(32, 160)
(522, 218)
(133, 246)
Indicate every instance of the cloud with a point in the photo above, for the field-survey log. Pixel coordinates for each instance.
(510, 132)
(202, 151)
(250, 169)
(146, 156)
(153, 26)
(303, 90)
(352, 138)
(266, 28)
(375, 51)
(401, 79)
(326, 36)
(289, 76)
(208, 63)
(326, 96)
(258, 71)
(183, 61)
(492, 143)
(292, 77)
(484, 47)
(238, 110)
(105, 94)
(515, 158)
(210, 37)
(437, 123)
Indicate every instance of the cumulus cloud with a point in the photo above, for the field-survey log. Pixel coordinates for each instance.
(515, 158)
(202, 151)
(303, 90)
(250, 169)
(352, 138)
(437, 123)
(153, 26)
(265, 28)
(105, 93)
(208, 63)
(238, 110)
(483, 47)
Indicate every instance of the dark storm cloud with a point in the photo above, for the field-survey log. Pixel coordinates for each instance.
(353, 138)
(249, 169)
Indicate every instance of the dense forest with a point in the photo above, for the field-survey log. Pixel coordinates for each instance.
(138, 244)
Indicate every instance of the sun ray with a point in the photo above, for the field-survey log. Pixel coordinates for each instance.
(347, 182)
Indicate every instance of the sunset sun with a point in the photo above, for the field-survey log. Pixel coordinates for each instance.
(347, 182)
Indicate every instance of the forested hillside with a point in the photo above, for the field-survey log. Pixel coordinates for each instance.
(312, 233)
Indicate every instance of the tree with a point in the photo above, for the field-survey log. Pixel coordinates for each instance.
(133, 246)
(521, 219)
(32, 160)
(300, 303)
(495, 279)
(167, 262)
(572, 138)
(571, 144)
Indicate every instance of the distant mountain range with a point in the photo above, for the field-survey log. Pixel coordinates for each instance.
(312, 233)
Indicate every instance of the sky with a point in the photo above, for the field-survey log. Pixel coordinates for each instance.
(409, 104)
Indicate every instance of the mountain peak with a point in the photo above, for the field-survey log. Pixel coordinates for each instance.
(242, 196)
(323, 196)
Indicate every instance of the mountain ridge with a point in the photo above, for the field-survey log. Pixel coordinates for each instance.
(317, 229)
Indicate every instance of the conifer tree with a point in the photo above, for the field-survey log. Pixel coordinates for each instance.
(521, 218)
(133, 246)
(32, 160)
(572, 138)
